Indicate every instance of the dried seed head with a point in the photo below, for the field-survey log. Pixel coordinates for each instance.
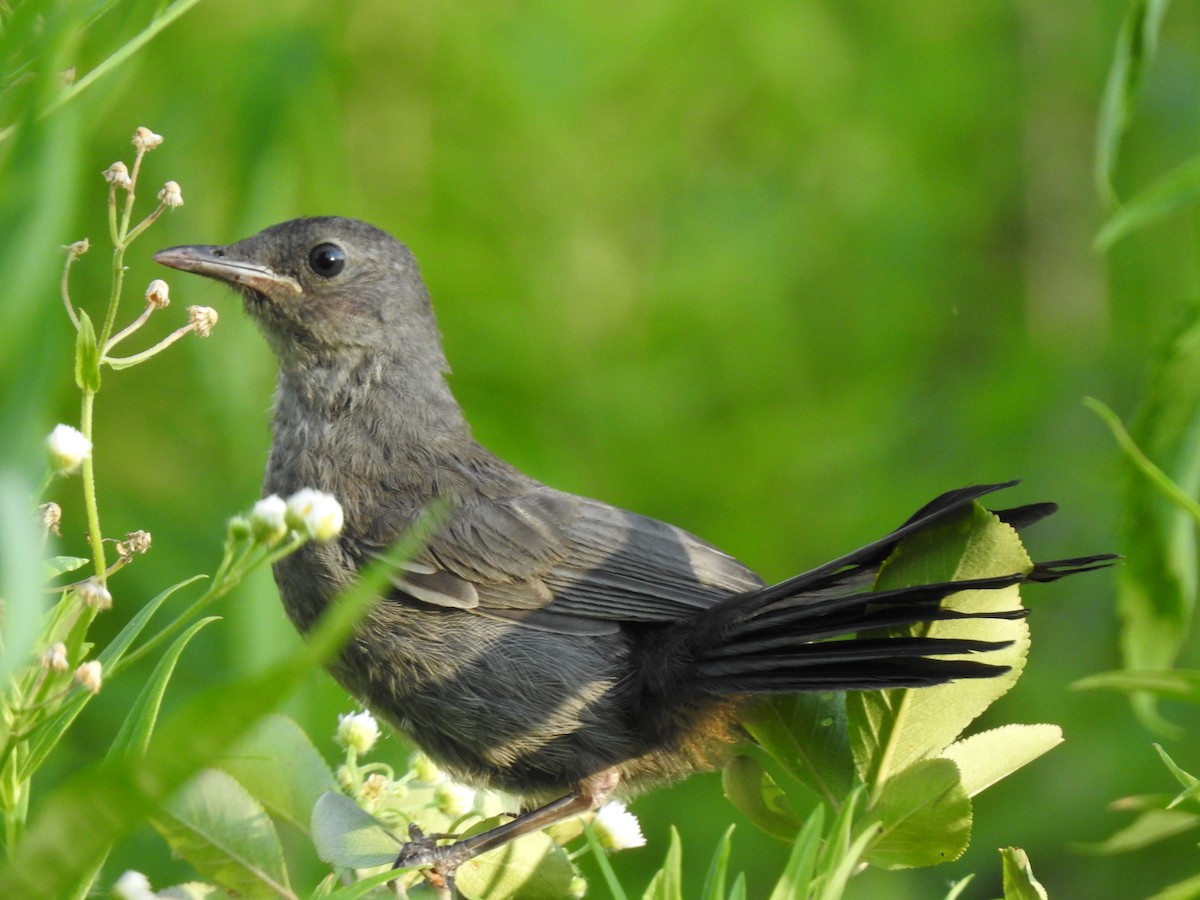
(135, 542)
(170, 196)
(77, 249)
(118, 175)
(54, 657)
(375, 786)
(94, 594)
(202, 319)
(51, 514)
(90, 675)
(158, 294)
(68, 448)
(145, 139)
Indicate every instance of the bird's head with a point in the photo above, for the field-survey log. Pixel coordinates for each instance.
(322, 288)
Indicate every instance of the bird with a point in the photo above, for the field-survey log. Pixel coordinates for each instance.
(542, 643)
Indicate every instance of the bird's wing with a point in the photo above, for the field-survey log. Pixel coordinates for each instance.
(553, 560)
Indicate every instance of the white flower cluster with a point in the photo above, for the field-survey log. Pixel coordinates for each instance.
(308, 511)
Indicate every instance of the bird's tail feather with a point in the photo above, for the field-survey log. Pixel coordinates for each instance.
(763, 641)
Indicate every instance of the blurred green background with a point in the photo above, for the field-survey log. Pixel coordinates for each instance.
(777, 271)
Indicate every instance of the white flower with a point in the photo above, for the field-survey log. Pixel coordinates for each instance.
(170, 196)
(268, 519)
(454, 799)
(315, 513)
(617, 828)
(158, 294)
(54, 657)
(90, 675)
(202, 319)
(357, 731)
(145, 139)
(68, 448)
(118, 175)
(94, 594)
(133, 886)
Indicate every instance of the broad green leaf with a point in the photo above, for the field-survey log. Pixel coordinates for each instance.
(807, 735)
(926, 817)
(226, 835)
(1156, 587)
(1176, 684)
(718, 868)
(1135, 50)
(796, 878)
(87, 355)
(890, 730)
(667, 883)
(20, 576)
(985, 758)
(100, 804)
(59, 565)
(1149, 828)
(533, 867)
(1019, 883)
(750, 788)
(279, 765)
(348, 837)
(134, 736)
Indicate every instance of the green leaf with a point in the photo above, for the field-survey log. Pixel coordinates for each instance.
(279, 765)
(226, 835)
(890, 730)
(718, 868)
(1190, 783)
(987, 757)
(1149, 828)
(1135, 50)
(667, 883)
(958, 887)
(797, 875)
(87, 355)
(807, 735)
(750, 788)
(1176, 189)
(1156, 587)
(348, 837)
(1019, 883)
(47, 736)
(531, 868)
(59, 565)
(1176, 684)
(843, 857)
(926, 817)
(1188, 889)
(134, 736)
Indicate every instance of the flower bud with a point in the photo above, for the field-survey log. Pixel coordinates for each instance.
(202, 319)
(170, 196)
(133, 886)
(68, 448)
(78, 248)
(315, 513)
(454, 799)
(94, 594)
(158, 294)
(268, 519)
(357, 731)
(239, 528)
(426, 769)
(90, 676)
(51, 514)
(617, 828)
(145, 139)
(54, 657)
(118, 175)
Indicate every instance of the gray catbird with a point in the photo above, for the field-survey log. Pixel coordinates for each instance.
(542, 643)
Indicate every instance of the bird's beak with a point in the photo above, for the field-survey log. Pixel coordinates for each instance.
(217, 263)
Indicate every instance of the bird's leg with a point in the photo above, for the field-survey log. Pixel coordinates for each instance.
(591, 793)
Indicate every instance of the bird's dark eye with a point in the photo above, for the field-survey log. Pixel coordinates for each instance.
(327, 259)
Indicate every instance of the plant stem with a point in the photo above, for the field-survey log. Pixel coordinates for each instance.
(95, 536)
